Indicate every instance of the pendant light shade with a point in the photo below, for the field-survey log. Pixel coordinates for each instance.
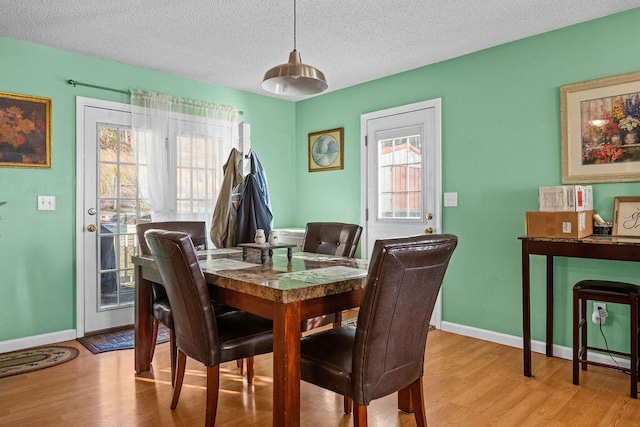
(294, 77)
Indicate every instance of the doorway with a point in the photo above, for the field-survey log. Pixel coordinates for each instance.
(109, 204)
(109, 207)
(401, 175)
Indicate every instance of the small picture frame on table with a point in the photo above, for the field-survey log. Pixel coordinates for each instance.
(626, 217)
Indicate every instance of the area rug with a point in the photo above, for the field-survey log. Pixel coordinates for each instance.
(33, 359)
(122, 339)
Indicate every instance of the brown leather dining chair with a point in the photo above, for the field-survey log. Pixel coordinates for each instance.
(199, 333)
(384, 353)
(330, 238)
(161, 308)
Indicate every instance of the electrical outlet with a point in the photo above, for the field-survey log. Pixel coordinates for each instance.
(451, 199)
(600, 314)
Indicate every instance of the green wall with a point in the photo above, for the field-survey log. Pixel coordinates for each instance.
(37, 248)
(500, 142)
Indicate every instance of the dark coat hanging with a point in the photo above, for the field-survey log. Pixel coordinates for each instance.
(254, 211)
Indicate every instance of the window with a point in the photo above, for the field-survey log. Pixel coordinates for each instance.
(198, 175)
(120, 208)
(400, 177)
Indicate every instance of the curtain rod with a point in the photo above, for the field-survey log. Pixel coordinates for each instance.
(75, 83)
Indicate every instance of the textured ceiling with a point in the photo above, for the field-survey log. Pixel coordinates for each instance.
(233, 42)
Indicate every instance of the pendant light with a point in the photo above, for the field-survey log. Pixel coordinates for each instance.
(294, 77)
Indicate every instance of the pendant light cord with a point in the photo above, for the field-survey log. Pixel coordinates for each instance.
(294, 24)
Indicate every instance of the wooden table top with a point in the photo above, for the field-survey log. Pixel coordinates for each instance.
(594, 239)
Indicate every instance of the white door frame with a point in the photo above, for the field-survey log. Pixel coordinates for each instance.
(81, 104)
(435, 104)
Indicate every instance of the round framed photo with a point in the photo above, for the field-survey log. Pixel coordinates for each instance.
(325, 150)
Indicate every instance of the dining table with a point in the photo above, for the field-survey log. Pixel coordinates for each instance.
(286, 290)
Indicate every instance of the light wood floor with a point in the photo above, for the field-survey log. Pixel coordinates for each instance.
(468, 382)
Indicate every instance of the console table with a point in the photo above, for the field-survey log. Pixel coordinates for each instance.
(596, 247)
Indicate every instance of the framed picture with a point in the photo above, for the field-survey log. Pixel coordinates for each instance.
(25, 131)
(626, 216)
(601, 130)
(326, 150)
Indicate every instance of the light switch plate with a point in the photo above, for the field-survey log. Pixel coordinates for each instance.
(46, 203)
(451, 199)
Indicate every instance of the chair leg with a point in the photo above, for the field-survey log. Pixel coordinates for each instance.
(348, 404)
(182, 364)
(174, 351)
(251, 364)
(240, 364)
(633, 328)
(337, 321)
(417, 401)
(360, 415)
(577, 320)
(154, 336)
(404, 400)
(213, 386)
(583, 332)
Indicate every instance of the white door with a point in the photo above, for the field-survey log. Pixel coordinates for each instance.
(108, 210)
(109, 206)
(401, 164)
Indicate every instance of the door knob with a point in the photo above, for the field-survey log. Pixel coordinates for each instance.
(91, 228)
(429, 215)
(428, 230)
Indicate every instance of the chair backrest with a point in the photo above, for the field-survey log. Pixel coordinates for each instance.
(332, 238)
(405, 276)
(193, 315)
(197, 230)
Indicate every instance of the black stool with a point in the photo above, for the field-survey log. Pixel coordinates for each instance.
(605, 291)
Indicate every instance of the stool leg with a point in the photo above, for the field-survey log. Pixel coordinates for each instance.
(634, 345)
(638, 336)
(576, 340)
(584, 322)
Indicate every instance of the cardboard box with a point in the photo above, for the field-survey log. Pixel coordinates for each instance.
(562, 198)
(559, 224)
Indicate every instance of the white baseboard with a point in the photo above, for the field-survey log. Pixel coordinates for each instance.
(37, 340)
(515, 341)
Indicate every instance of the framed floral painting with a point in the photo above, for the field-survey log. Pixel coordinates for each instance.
(25, 131)
(601, 130)
(326, 150)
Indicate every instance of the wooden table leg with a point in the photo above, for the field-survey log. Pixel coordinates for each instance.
(289, 254)
(143, 323)
(526, 311)
(286, 365)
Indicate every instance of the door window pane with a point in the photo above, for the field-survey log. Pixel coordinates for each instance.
(400, 177)
(120, 209)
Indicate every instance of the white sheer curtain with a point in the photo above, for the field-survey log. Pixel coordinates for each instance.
(181, 146)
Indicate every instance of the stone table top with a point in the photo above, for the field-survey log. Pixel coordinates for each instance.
(305, 276)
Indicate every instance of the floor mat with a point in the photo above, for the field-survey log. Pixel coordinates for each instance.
(33, 359)
(122, 339)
